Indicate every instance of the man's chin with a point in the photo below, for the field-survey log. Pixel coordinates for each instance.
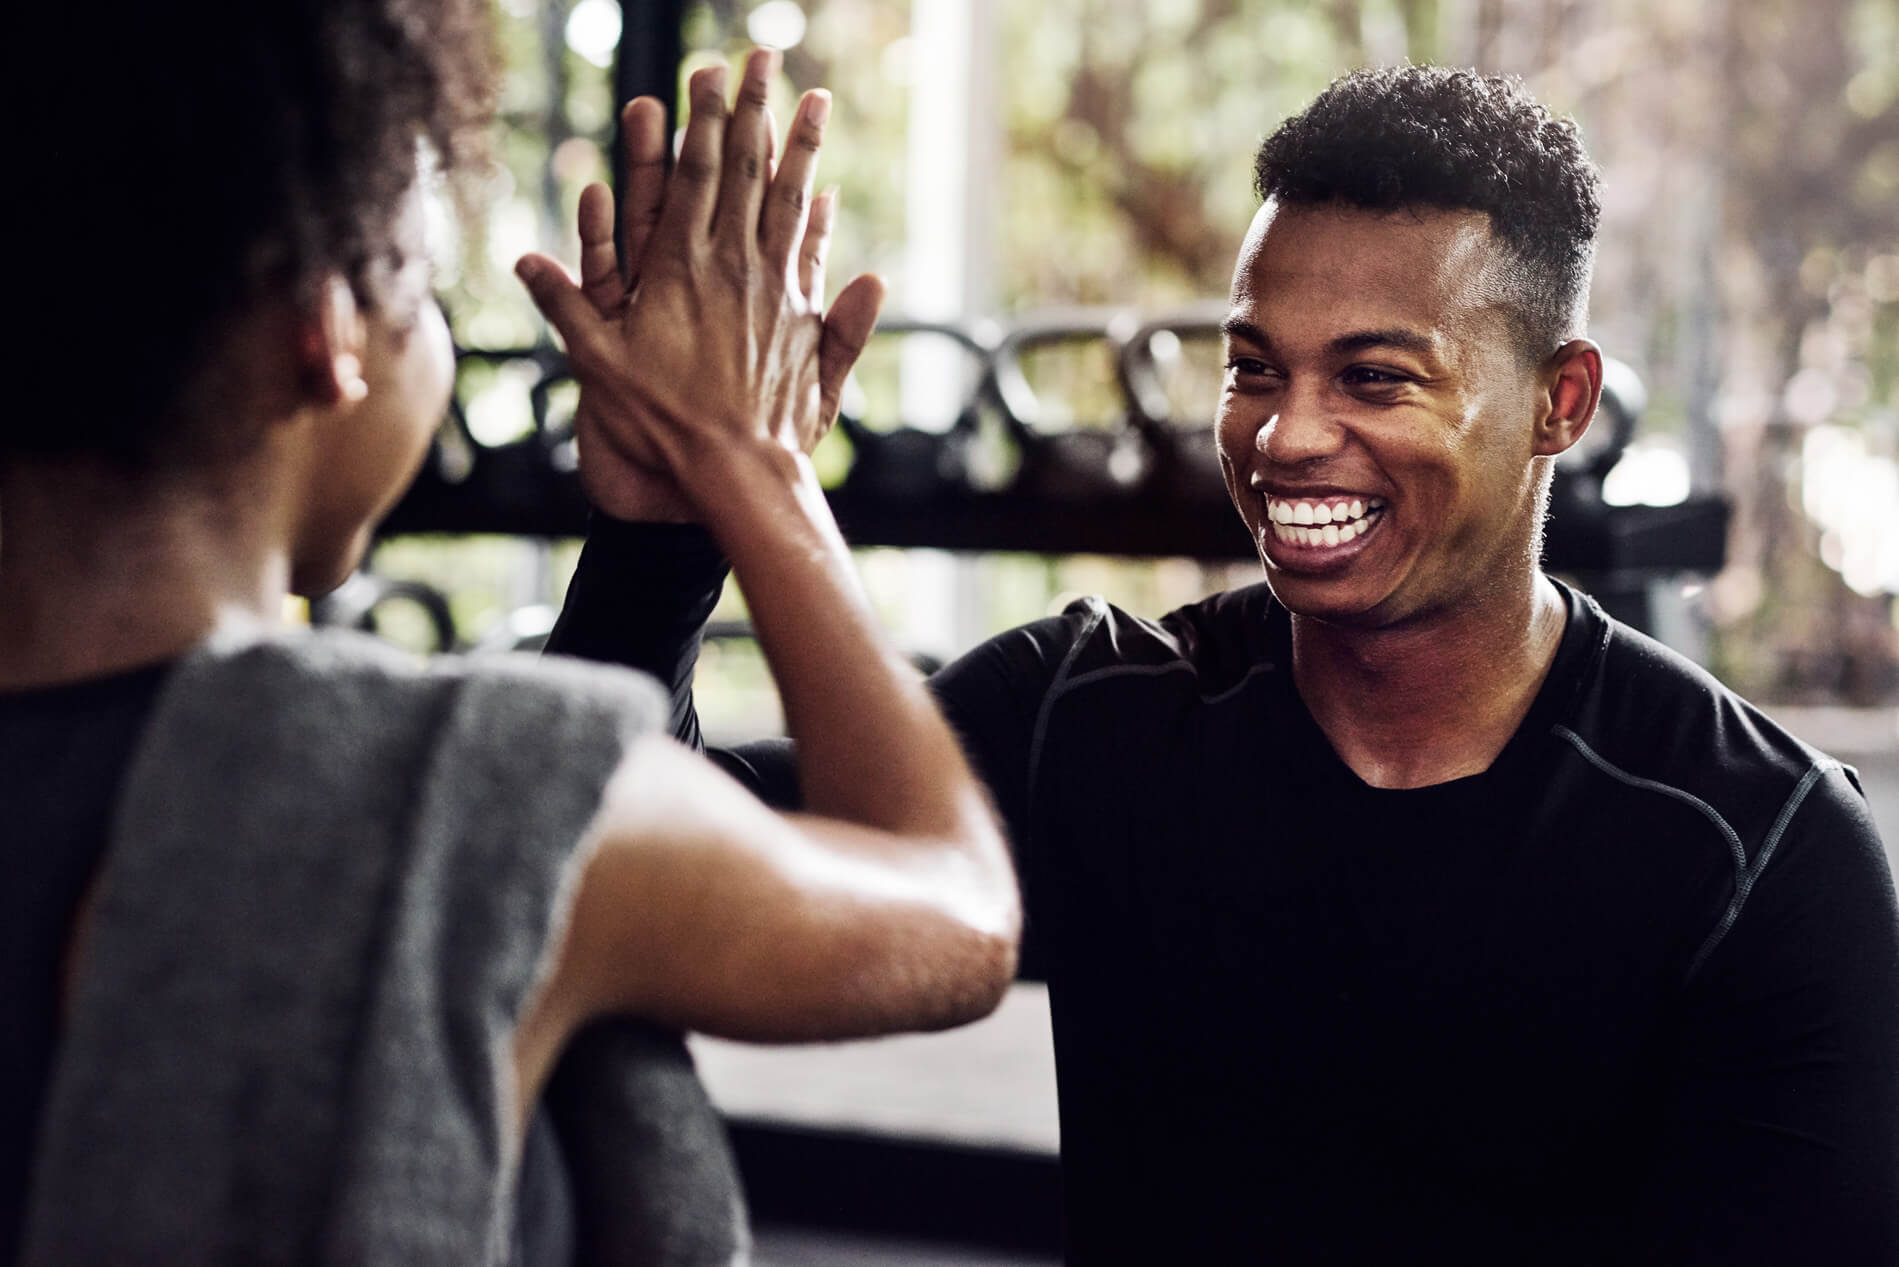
(1329, 601)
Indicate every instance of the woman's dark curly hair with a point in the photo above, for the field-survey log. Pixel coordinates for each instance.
(186, 160)
(1426, 137)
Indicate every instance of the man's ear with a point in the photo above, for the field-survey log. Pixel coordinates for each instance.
(1571, 383)
(331, 336)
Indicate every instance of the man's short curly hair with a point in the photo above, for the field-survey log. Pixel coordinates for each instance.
(188, 160)
(1415, 137)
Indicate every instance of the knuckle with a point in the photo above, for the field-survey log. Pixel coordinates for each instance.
(791, 197)
(731, 265)
(695, 170)
(665, 266)
(807, 138)
(753, 97)
(747, 166)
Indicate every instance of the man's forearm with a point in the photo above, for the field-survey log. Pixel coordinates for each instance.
(640, 597)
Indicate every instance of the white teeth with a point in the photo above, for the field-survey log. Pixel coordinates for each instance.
(1341, 531)
(1321, 523)
(1318, 513)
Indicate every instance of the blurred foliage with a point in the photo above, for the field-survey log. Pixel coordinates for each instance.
(1749, 264)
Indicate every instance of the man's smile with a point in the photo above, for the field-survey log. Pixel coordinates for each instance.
(1321, 524)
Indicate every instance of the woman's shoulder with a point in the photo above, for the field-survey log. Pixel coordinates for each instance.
(339, 669)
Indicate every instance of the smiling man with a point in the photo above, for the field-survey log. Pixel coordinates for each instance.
(1405, 907)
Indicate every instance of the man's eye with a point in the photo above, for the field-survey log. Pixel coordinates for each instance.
(1372, 376)
(1248, 366)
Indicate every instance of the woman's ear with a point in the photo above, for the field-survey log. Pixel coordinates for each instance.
(331, 339)
(1572, 383)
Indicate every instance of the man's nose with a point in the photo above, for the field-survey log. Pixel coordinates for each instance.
(1300, 432)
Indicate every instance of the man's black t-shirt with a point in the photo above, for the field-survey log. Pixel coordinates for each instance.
(1630, 995)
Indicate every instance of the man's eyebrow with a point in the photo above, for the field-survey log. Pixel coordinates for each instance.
(1241, 328)
(1345, 344)
(1403, 340)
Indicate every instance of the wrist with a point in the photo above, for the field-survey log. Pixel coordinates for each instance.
(732, 479)
(765, 508)
(645, 506)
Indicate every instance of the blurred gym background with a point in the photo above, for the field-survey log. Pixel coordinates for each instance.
(1054, 192)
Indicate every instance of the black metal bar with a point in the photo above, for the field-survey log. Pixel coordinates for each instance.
(646, 64)
(908, 487)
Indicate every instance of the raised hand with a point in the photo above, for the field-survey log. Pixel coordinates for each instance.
(612, 480)
(714, 334)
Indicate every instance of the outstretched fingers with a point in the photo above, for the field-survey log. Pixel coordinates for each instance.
(643, 190)
(847, 329)
(747, 155)
(565, 305)
(600, 278)
(786, 203)
(693, 190)
(816, 246)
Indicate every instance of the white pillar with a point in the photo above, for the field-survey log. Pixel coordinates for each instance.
(954, 157)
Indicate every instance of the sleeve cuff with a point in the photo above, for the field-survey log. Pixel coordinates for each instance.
(620, 550)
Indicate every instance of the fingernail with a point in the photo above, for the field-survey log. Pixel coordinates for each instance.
(819, 111)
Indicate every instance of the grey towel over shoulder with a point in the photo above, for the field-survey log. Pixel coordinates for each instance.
(329, 894)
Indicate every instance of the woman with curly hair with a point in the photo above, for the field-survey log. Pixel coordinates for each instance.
(307, 946)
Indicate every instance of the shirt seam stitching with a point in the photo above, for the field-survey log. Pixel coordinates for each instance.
(1097, 611)
(1155, 670)
(1745, 874)
(1744, 883)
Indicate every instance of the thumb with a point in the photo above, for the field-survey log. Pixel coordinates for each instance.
(847, 328)
(564, 305)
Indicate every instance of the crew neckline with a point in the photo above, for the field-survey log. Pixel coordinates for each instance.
(1582, 635)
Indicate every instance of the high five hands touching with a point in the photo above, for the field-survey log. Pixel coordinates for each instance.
(711, 336)
(706, 370)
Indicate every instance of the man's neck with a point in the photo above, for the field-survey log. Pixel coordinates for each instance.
(1434, 700)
